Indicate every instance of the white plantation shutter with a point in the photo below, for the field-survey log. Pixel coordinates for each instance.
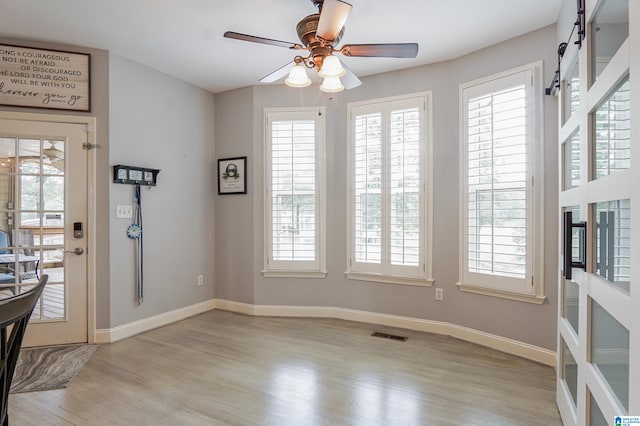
(367, 188)
(497, 170)
(404, 179)
(387, 174)
(497, 185)
(294, 191)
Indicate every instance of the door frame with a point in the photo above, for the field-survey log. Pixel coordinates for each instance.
(90, 123)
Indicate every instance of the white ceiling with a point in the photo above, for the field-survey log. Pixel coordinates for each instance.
(184, 38)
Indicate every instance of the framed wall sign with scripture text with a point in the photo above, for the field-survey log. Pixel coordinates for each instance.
(38, 78)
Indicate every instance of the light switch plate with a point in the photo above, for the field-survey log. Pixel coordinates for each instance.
(124, 211)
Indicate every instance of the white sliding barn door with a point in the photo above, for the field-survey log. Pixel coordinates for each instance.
(599, 309)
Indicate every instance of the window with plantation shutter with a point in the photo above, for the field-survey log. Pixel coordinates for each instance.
(498, 212)
(294, 203)
(388, 219)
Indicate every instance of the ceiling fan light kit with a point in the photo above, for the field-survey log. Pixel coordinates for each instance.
(319, 33)
(298, 77)
(332, 85)
(331, 67)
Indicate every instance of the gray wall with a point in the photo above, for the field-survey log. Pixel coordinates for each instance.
(147, 118)
(159, 122)
(238, 271)
(566, 18)
(235, 239)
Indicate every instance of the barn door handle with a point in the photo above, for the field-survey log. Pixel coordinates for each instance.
(567, 260)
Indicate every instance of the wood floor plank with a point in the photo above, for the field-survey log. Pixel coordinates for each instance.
(221, 368)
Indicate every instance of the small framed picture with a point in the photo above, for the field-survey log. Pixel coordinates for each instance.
(122, 174)
(232, 175)
(135, 175)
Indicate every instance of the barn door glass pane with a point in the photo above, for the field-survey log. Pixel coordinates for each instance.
(610, 351)
(570, 371)
(571, 162)
(571, 290)
(571, 293)
(613, 242)
(613, 133)
(571, 91)
(609, 29)
(596, 416)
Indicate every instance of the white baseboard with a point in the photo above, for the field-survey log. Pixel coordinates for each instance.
(229, 305)
(131, 329)
(503, 344)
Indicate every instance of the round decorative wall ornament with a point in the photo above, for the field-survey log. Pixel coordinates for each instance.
(134, 231)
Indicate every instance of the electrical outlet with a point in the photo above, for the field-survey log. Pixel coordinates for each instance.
(124, 211)
(200, 280)
(439, 294)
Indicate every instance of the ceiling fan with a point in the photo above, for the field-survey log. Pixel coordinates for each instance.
(319, 34)
(54, 156)
(52, 152)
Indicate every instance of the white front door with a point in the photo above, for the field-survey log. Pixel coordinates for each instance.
(43, 193)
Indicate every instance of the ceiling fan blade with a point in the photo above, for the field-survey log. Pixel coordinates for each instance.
(262, 40)
(278, 74)
(386, 50)
(332, 18)
(349, 80)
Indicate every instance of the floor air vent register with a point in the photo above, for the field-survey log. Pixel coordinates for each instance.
(389, 336)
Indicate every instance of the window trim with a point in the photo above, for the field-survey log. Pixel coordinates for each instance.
(536, 295)
(318, 269)
(426, 184)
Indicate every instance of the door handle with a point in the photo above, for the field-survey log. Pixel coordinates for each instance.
(77, 250)
(568, 261)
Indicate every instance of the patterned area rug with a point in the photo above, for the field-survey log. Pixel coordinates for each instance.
(49, 367)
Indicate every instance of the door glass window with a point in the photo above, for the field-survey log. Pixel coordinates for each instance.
(613, 242)
(570, 371)
(571, 91)
(596, 417)
(571, 294)
(571, 290)
(610, 351)
(571, 161)
(613, 132)
(32, 195)
(609, 29)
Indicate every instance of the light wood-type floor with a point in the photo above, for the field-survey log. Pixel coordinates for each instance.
(221, 368)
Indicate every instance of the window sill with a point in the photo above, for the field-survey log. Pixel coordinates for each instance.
(294, 274)
(420, 282)
(520, 297)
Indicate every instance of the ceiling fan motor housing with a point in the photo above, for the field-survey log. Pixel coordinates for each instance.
(306, 30)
